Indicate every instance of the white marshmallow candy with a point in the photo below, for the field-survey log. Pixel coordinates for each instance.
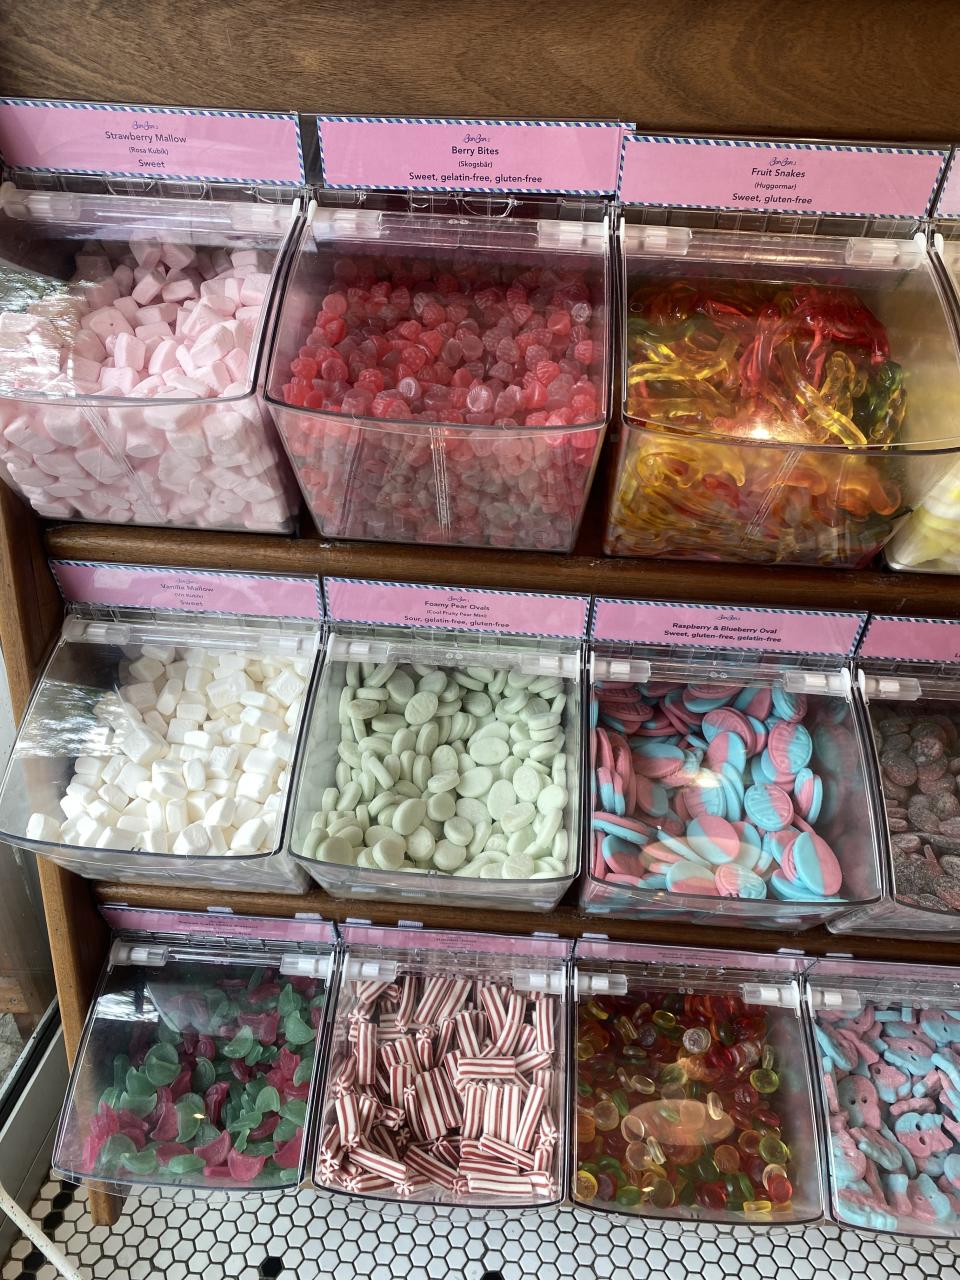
(172, 787)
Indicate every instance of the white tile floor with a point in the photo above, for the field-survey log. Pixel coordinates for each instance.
(309, 1237)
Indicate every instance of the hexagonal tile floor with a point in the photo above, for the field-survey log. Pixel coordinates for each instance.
(308, 1236)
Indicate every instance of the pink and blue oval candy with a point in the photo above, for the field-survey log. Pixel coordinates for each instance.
(754, 700)
(816, 864)
(692, 878)
(727, 748)
(714, 839)
(768, 806)
(787, 705)
(657, 759)
(789, 746)
(735, 881)
(808, 794)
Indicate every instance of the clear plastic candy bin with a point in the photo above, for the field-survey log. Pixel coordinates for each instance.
(928, 541)
(129, 764)
(887, 1038)
(200, 1056)
(787, 398)
(131, 330)
(464, 800)
(913, 708)
(693, 1098)
(728, 787)
(447, 1073)
(443, 376)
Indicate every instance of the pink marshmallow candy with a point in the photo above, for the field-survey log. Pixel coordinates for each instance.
(132, 357)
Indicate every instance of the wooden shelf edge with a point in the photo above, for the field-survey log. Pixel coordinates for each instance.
(585, 570)
(567, 921)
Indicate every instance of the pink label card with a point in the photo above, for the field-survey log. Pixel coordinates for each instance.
(699, 957)
(717, 626)
(179, 143)
(911, 639)
(406, 604)
(134, 586)
(220, 924)
(578, 157)
(948, 202)
(356, 935)
(779, 177)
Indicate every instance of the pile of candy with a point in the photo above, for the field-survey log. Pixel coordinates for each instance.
(677, 1107)
(721, 790)
(150, 321)
(465, 772)
(193, 754)
(211, 1085)
(513, 359)
(918, 745)
(725, 375)
(929, 540)
(444, 1088)
(892, 1082)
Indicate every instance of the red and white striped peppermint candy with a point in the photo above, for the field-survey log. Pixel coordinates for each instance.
(506, 1152)
(474, 1101)
(330, 1140)
(369, 1111)
(411, 1109)
(530, 1116)
(454, 998)
(328, 1170)
(468, 1036)
(391, 1117)
(381, 1139)
(400, 1075)
(485, 1166)
(369, 991)
(363, 1184)
(527, 1063)
(543, 1159)
(431, 1104)
(493, 1006)
(435, 989)
(421, 1161)
(347, 1108)
(388, 1027)
(412, 1185)
(510, 1102)
(444, 1039)
(526, 1040)
(505, 1042)
(345, 1078)
(493, 1110)
(405, 1050)
(425, 1047)
(446, 1149)
(407, 1002)
(366, 1053)
(495, 1183)
(544, 1022)
(377, 1162)
(450, 1099)
(548, 1133)
(498, 1068)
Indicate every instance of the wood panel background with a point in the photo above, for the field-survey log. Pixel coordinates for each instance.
(831, 68)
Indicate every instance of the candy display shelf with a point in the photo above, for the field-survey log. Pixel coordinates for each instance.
(734, 76)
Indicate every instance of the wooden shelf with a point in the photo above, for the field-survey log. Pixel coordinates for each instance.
(567, 921)
(586, 570)
(712, 68)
